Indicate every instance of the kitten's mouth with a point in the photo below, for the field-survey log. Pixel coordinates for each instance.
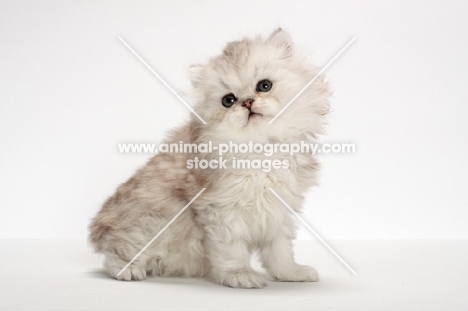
(254, 114)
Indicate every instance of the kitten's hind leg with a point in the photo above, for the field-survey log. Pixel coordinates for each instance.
(114, 264)
(278, 259)
(230, 265)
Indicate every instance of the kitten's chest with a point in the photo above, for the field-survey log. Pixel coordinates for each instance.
(254, 208)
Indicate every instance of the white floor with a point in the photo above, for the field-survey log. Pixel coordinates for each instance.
(392, 275)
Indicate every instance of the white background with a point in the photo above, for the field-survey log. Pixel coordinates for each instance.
(70, 92)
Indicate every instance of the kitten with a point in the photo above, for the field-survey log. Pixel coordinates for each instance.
(237, 94)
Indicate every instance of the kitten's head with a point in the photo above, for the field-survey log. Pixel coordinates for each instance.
(240, 91)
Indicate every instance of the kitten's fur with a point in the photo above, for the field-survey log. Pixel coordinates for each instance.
(236, 215)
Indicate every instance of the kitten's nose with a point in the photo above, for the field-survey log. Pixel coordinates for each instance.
(248, 103)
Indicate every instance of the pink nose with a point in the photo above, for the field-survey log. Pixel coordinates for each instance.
(248, 103)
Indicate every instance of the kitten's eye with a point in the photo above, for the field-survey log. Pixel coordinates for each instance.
(228, 100)
(264, 86)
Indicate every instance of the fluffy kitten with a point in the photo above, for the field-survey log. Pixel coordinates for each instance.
(236, 215)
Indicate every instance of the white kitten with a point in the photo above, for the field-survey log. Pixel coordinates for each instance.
(237, 94)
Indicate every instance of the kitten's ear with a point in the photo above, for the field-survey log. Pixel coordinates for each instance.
(196, 74)
(281, 39)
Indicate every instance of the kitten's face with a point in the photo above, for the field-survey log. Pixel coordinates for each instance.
(243, 89)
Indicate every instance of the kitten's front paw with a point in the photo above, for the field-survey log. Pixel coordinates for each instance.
(297, 273)
(244, 279)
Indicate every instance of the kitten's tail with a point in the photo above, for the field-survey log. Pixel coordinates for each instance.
(100, 227)
(97, 232)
